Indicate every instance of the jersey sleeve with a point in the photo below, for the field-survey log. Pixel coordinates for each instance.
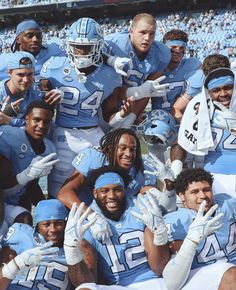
(19, 238)
(193, 83)
(87, 160)
(178, 223)
(5, 149)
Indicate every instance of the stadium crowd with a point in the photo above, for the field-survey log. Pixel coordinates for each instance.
(134, 130)
(205, 30)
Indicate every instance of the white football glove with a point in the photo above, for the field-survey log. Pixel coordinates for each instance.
(151, 216)
(74, 233)
(148, 89)
(224, 118)
(41, 255)
(101, 228)
(159, 169)
(118, 63)
(204, 225)
(39, 167)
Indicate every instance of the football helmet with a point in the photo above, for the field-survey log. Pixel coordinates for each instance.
(158, 127)
(84, 43)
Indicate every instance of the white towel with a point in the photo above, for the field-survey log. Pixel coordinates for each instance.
(195, 134)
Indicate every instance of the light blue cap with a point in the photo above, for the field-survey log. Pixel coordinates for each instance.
(16, 57)
(51, 209)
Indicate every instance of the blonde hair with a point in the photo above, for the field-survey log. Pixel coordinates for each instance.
(143, 16)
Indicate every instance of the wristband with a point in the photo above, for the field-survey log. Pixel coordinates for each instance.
(10, 270)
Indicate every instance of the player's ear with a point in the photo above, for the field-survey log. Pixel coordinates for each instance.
(95, 193)
(182, 196)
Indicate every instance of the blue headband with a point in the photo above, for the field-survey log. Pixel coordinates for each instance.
(176, 43)
(51, 209)
(22, 27)
(219, 82)
(108, 178)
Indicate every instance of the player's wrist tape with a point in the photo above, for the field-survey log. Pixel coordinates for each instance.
(10, 270)
(110, 60)
(72, 252)
(160, 236)
(116, 120)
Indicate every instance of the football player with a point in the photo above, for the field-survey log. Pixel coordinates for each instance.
(29, 38)
(122, 260)
(25, 156)
(29, 260)
(86, 83)
(201, 236)
(177, 71)
(19, 90)
(219, 153)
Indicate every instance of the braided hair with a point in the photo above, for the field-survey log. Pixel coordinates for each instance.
(110, 141)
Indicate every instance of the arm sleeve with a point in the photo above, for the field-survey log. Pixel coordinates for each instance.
(177, 270)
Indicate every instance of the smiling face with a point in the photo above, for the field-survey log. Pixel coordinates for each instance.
(20, 80)
(38, 122)
(30, 40)
(195, 193)
(222, 94)
(126, 151)
(142, 36)
(177, 53)
(52, 230)
(110, 199)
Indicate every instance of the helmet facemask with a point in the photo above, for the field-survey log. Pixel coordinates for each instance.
(83, 54)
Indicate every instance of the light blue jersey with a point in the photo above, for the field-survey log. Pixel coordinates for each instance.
(31, 95)
(79, 107)
(45, 53)
(221, 158)
(92, 158)
(176, 78)
(21, 237)
(157, 59)
(220, 245)
(121, 258)
(15, 145)
(194, 83)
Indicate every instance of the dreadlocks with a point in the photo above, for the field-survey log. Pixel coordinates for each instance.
(109, 142)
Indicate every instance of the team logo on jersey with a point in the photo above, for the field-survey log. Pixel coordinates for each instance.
(67, 76)
(66, 71)
(131, 54)
(23, 147)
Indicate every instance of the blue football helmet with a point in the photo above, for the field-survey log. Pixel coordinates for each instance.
(158, 127)
(84, 43)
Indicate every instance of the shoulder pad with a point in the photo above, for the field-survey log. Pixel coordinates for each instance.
(54, 62)
(196, 80)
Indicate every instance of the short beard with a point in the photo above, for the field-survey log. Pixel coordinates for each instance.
(115, 216)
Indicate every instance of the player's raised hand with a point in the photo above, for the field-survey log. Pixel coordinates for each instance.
(74, 232)
(118, 63)
(150, 88)
(203, 225)
(158, 168)
(100, 228)
(39, 167)
(151, 216)
(41, 255)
